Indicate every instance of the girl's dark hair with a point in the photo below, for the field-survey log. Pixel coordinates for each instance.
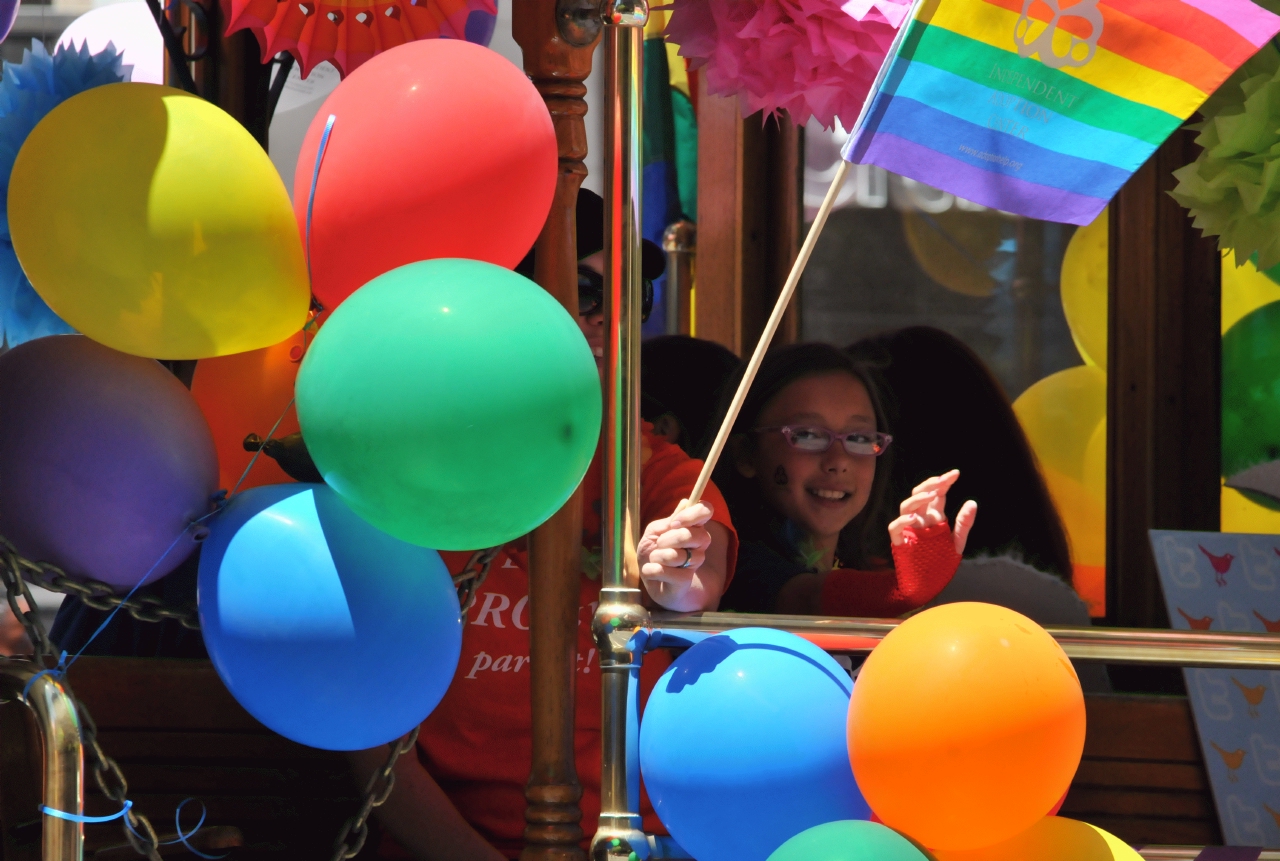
(864, 542)
(949, 412)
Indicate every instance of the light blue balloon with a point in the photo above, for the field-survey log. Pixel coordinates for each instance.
(743, 745)
(328, 631)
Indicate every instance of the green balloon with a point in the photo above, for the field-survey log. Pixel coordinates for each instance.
(1251, 393)
(849, 840)
(451, 403)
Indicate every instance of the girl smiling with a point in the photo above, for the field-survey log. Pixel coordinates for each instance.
(806, 488)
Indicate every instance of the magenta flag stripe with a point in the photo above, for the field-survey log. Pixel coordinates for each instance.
(996, 190)
(1251, 21)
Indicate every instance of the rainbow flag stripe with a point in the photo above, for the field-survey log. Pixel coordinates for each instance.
(969, 104)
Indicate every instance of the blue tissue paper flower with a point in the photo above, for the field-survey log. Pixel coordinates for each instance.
(28, 91)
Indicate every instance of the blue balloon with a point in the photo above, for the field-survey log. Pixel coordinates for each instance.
(743, 745)
(330, 632)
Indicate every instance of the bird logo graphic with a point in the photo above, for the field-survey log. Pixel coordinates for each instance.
(1252, 696)
(1272, 627)
(1221, 565)
(1035, 37)
(1201, 624)
(1232, 759)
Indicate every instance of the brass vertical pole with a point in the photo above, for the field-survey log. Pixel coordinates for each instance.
(59, 725)
(620, 614)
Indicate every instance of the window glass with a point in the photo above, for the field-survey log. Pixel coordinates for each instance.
(1250, 409)
(1028, 297)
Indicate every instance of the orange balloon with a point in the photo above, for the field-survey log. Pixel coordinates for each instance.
(246, 393)
(966, 724)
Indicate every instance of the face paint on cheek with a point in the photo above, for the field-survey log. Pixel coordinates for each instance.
(780, 476)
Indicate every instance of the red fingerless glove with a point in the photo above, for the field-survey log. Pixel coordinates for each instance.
(923, 565)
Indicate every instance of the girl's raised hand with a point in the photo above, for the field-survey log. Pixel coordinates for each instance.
(927, 506)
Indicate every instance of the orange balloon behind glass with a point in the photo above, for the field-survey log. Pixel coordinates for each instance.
(246, 393)
(966, 724)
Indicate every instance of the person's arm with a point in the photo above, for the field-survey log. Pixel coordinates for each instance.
(418, 813)
(923, 565)
(926, 554)
(684, 559)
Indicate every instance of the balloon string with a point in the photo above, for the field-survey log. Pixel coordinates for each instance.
(182, 835)
(258, 453)
(80, 817)
(59, 671)
(315, 178)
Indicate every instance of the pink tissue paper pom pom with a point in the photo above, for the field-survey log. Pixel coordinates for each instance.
(811, 58)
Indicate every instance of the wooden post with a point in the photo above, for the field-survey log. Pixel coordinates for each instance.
(559, 71)
(721, 177)
(749, 221)
(244, 81)
(1163, 386)
(228, 71)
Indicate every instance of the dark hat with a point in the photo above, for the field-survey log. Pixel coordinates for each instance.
(590, 218)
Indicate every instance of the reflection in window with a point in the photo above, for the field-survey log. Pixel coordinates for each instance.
(899, 253)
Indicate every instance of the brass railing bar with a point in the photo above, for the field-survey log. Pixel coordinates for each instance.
(1107, 645)
(59, 725)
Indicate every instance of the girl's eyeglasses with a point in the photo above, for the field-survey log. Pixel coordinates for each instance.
(591, 294)
(816, 440)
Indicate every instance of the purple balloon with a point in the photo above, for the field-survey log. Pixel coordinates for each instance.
(8, 15)
(105, 460)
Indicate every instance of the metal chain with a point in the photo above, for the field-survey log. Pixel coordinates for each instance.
(93, 593)
(376, 792)
(107, 774)
(15, 570)
(380, 784)
(110, 780)
(473, 574)
(15, 587)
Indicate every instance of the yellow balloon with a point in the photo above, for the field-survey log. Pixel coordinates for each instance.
(1244, 290)
(1060, 414)
(154, 223)
(1083, 516)
(1084, 290)
(1242, 514)
(950, 247)
(1095, 464)
(1051, 839)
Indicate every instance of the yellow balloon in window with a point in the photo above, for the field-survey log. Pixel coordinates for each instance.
(154, 223)
(1244, 290)
(1064, 417)
(1084, 290)
(1060, 414)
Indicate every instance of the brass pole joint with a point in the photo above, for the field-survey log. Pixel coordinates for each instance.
(625, 13)
(617, 620)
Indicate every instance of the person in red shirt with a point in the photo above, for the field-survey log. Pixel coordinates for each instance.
(804, 488)
(461, 798)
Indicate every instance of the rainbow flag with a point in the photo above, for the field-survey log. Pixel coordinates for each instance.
(1045, 108)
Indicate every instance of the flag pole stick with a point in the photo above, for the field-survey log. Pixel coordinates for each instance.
(771, 327)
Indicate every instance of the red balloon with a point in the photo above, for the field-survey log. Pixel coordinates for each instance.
(439, 148)
(248, 393)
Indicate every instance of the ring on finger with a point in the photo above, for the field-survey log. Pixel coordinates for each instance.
(688, 558)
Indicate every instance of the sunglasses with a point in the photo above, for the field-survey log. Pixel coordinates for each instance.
(816, 440)
(591, 294)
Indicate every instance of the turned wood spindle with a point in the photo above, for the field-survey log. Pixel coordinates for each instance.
(558, 68)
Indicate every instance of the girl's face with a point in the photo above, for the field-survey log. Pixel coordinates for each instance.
(819, 492)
